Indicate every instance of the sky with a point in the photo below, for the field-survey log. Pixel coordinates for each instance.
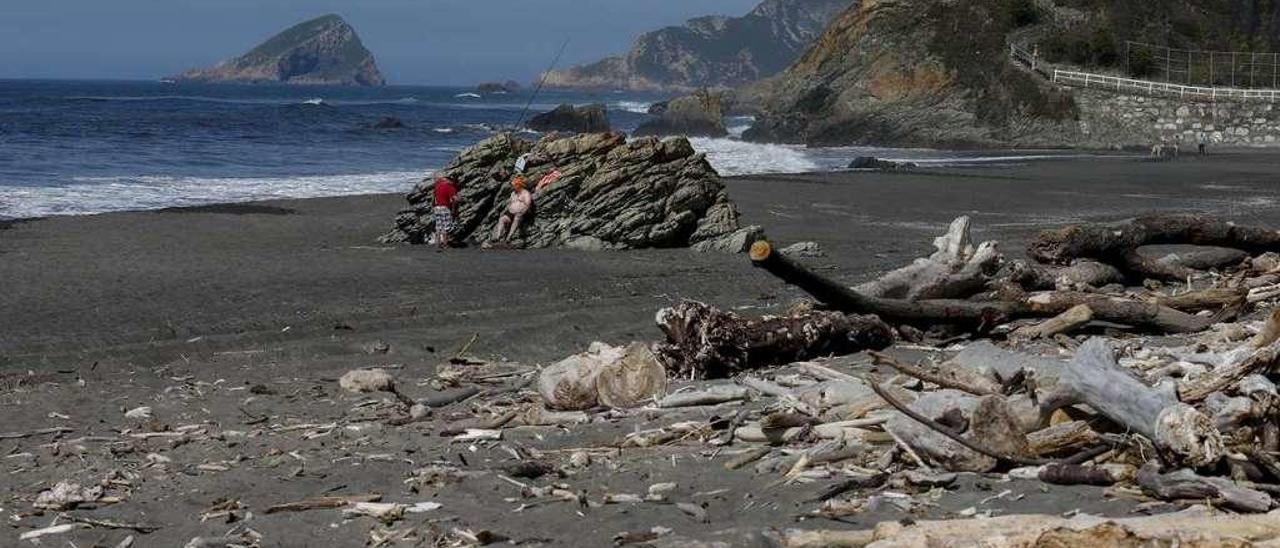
(439, 42)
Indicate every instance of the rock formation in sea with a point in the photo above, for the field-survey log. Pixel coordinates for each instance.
(612, 194)
(568, 118)
(325, 50)
(713, 51)
(697, 115)
(510, 86)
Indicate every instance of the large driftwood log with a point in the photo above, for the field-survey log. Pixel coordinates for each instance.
(972, 313)
(1206, 258)
(991, 360)
(1118, 245)
(1186, 484)
(1149, 316)
(1205, 299)
(844, 299)
(703, 342)
(1094, 378)
(957, 269)
(937, 448)
(1034, 277)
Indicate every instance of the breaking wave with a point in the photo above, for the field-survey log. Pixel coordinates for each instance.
(731, 157)
(89, 195)
(638, 107)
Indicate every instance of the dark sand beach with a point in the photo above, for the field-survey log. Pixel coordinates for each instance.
(183, 310)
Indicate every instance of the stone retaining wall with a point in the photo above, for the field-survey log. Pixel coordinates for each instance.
(1112, 119)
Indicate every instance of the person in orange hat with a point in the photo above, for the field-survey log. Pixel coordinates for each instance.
(520, 204)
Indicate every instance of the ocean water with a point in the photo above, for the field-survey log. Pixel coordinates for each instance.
(70, 148)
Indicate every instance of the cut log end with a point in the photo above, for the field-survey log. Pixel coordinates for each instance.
(760, 251)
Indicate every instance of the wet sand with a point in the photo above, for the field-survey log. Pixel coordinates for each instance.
(182, 310)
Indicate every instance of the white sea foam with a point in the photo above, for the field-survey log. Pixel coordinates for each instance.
(638, 107)
(88, 195)
(733, 157)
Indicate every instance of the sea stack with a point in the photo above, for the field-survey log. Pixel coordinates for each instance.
(322, 51)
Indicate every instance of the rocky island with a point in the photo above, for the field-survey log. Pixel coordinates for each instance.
(322, 51)
(713, 51)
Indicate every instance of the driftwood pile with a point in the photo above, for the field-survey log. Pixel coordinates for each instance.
(1189, 418)
(1097, 363)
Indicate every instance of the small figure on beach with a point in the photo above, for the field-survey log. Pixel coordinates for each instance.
(1203, 145)
(443, 210)
(519, 205)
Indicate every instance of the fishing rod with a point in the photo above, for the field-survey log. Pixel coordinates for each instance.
(541, 81)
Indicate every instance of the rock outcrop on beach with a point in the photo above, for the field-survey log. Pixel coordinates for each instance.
(325, 50)
(568, 118)
(713, 51)
(697, 115)
(612, 194)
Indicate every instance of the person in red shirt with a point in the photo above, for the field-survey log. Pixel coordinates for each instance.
(445, 205)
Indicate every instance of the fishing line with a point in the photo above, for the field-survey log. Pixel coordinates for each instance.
(541, 81)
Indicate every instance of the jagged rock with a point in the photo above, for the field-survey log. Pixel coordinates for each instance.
(711, 51)
(871, 162)
(325, 50)
(738, 241)
(659, 107)
(804, 249)
(389, 122)
(613, 194)
(568, 118)
(697, 115)
(510, 86)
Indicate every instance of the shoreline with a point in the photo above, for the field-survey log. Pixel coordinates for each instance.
(938, 160)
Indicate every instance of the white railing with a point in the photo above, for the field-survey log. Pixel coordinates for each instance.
(1165, 89)
(1145, 87)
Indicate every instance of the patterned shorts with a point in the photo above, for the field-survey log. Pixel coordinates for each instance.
(443, 218)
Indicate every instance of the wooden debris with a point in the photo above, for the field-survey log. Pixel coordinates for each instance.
(956, 378)
(714, 395)
(1194, 527)
(1118, 245)
(706, 343)
(1066, 322)
(319, 503)
(1186, 484)
(956, 269)
(1094, 378)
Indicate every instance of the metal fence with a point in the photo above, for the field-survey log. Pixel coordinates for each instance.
(1140, 86)
(1235, 69)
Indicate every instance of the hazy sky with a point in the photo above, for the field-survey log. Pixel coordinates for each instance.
(415, 41)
